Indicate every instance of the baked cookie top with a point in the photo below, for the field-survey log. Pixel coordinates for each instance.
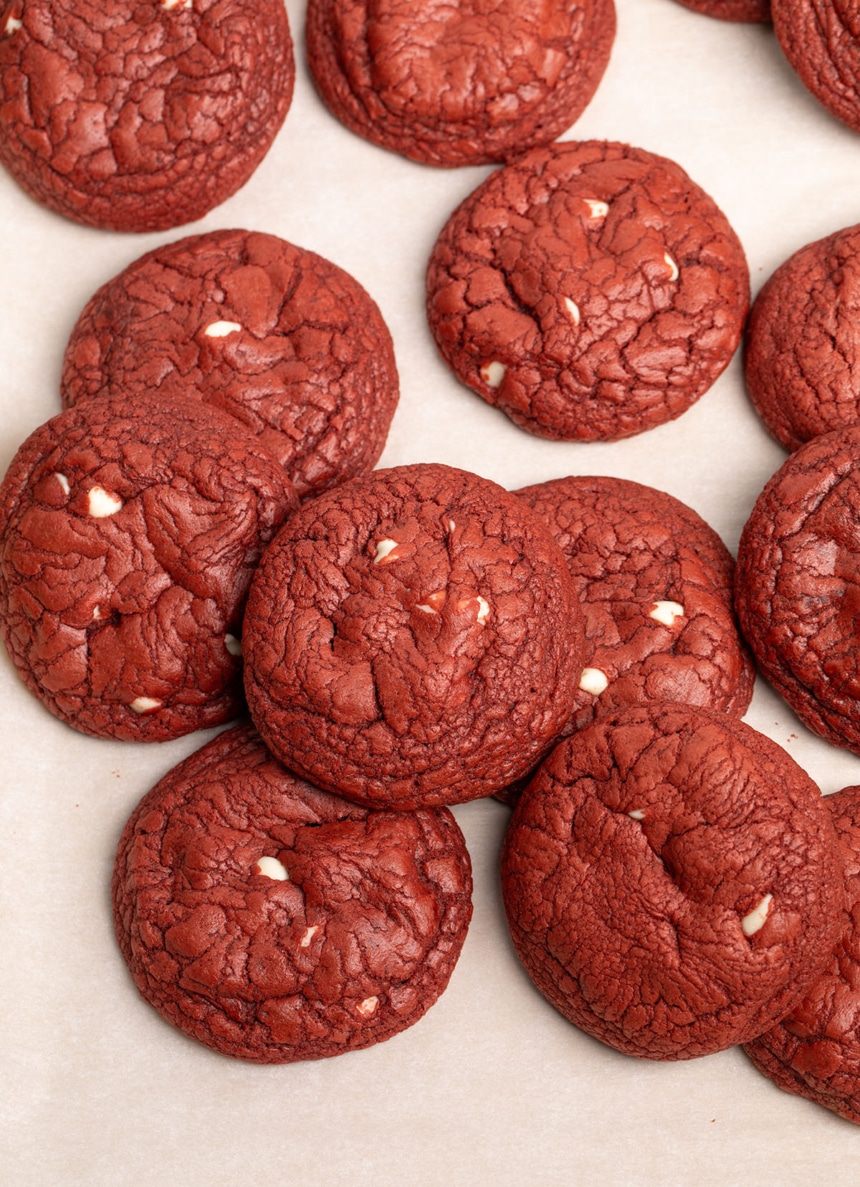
(456, 84)
(672, 881)
(590, 290)
(820, 40)
(140, 117)
(276, 335)
(732, 10)
(274, 922)
(128, 537)
(412, 638)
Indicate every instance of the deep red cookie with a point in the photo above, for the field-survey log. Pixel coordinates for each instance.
(412, 638)
(140, 117)
(275, 922)
(821, 40)
(128, 538)
(814, 1052)
(656, 586)
(449, 85)
(590, 290)
(732, 10)
(802, 343)
(672, 881)
(797, 592)
(276, 335)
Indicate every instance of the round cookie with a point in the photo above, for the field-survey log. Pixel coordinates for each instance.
(802, 346)
(273, 334)
(814, 1052)
(128, 541)
(412, 638)
(140, 117)
(656, 584)
(463, 84)
(796, 584)
(589, 290)
(672, 881)
(820, 40)
(732, 10)
(274, 922)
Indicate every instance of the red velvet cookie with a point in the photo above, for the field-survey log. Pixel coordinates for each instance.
(655, 583)
(412, 638)
(814, 1052)
(590, 290)
(274, 334)
(802, 344)
(821, 40)
(672, 881)
(732, 10)
(140, 117)
(468, 83)
(128, 538)
(797, 584)
(275, 922)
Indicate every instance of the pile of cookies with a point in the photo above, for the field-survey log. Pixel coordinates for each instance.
(201, 533)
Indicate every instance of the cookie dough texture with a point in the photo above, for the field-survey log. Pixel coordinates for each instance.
(814, 1052)
(456, 84)
(656, 587)
(820, 41)
(127, 545)
(797, 589)
(672, 881)
(590, 290)
(140, 117)
(276, 335)
(412, 638)
(274, 922)
(802, 343)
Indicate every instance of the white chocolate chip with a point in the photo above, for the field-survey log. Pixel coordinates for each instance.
(145, 704)
(573, 309)
(168, 4)
(368, 1006)
(12, 25)
(101, 503)
(233, 645)
(270, 867)
(434, 602)
(451, 525)
(64, 482)
(666, 612)
(596, 208)
(637, 814)
(672, 266)
(493, 373)
(97, 613)
(483, 610)
(384, 549)
(220, 329)
(755, 920)
(310, 932)
(593, 680)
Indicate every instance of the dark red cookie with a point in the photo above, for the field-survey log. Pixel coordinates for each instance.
(412, 638)
(797, 592)
(672, 881)
(815, 1051)
(732, 10)
(656, 585)
(458, 84)
(128, 538)
(821, 40)
(590, 290)
(802, 344)
(274, 334)
(275, 922)
(140, 117)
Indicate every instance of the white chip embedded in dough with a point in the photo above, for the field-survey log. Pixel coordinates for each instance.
(493, 373)
(220, 329)
(666, 612)
(270, 867)
(101, 503)
(594, 681)
(145, 704)
(755, 920)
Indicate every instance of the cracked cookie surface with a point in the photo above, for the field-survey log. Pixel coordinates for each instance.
(821, 40)
(590, 290)
(128, 542)
(412, 638)
(275, 922)
(140, 117)
(275, 335)
(672, 881)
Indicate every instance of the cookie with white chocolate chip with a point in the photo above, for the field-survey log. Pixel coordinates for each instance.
(590, 290)
(128, 536)
(274, 922)
(412, 638)
(672, 881)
